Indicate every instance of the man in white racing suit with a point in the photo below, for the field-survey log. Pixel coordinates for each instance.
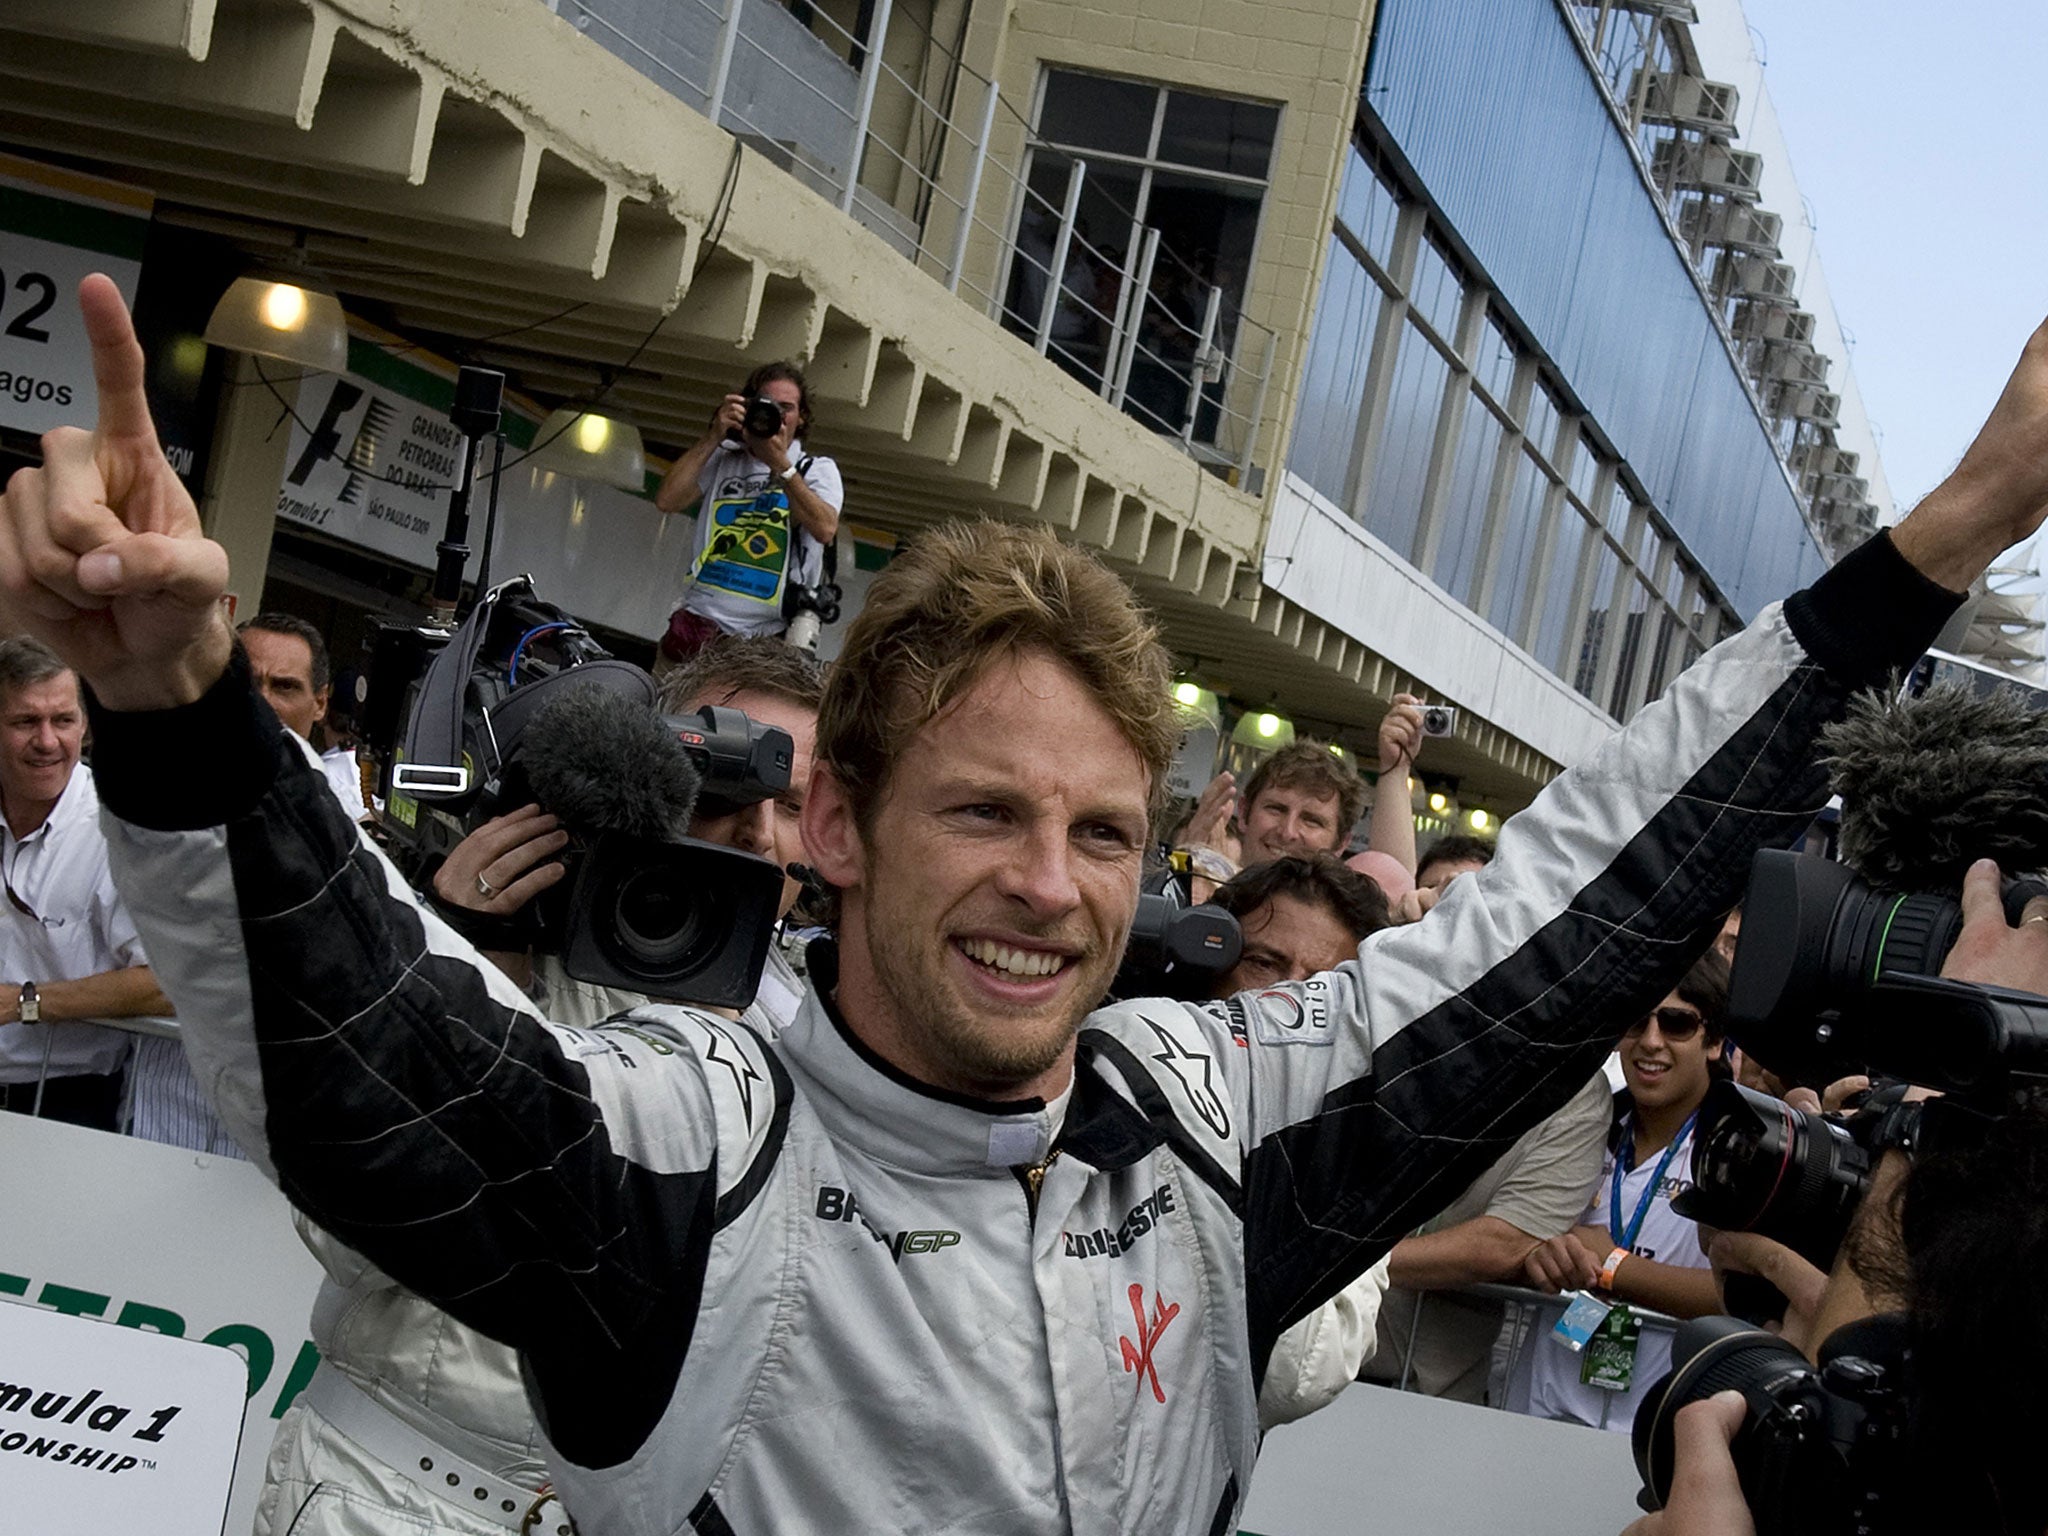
(959, 1250)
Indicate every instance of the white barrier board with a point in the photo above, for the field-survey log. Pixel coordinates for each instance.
(174, 1242)
(104, 1428)
(1398, 1464)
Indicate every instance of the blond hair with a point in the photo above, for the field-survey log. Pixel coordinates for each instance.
(961, 596)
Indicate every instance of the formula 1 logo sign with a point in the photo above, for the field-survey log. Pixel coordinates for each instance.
(1138, 1354)
(104, 1428)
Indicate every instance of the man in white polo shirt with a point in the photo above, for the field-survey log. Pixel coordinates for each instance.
(69, 957)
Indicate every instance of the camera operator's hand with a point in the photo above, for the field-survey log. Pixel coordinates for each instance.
(101, 553)
(1830, 1099)
(504, 863)
(728, 421)
(1800, 1283)
(1706, 1496)
(1990, 951)
(1560, 1263)
(1400, 733)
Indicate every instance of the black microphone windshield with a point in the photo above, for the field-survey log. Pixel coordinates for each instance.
(1929, 784)
(603, 762)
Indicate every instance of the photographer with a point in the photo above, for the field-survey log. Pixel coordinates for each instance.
(1958, 1240)
(766, 512)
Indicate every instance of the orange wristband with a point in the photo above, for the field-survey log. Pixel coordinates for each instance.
(1613, 1263)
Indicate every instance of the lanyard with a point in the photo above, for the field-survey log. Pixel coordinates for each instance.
(1625, 1155)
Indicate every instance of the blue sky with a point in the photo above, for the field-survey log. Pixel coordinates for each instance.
(1920, 140)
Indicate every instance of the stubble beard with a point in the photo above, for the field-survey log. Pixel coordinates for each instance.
(988, 1054)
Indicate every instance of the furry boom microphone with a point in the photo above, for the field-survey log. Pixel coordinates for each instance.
(604, 763)
(1929, 784)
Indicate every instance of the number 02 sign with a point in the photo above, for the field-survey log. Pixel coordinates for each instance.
(56, 226)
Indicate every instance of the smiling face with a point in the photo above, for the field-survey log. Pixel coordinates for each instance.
(1289, 820)
(1665, 1071)
(42, 729)
(986, 908)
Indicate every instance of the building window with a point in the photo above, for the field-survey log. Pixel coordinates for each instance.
(1428, 420)
(1191, 166)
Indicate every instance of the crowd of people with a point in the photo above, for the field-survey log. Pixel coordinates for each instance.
(929, 1235)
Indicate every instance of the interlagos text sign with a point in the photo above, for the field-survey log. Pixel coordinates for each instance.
(55, 227)
(114, 1429)
(142, 1238)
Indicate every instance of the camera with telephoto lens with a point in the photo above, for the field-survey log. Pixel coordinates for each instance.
(1819, 1450)
(763, 417)
(1176, 950)
(1834, 977)
(521, 704)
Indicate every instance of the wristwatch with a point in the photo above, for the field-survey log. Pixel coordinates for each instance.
(787, 475)
(30, 1008)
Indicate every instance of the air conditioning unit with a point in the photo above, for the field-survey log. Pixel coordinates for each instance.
(1740, 275)
(1771, 320)
(1689, 165)
(1841, 489)
(1793, 362)
(1688, 102)
(1804, 402)
(1815, 466)
(1731, 225)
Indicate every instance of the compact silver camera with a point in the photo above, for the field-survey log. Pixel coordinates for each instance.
(1439, 720)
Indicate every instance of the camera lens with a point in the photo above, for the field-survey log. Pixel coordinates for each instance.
(1761, 1166)
(657, 920)
(1719, 1354)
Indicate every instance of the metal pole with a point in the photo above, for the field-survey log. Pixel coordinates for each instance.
(1117, 322)
(43, 1074)
(1199, 366)
(1055, 280)
(973, 195)
(1251, 433)
(721, 67)
(1414, 1328)
(1141, 290)
(870, 75)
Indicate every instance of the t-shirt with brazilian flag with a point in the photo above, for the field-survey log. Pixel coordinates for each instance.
(743, 556)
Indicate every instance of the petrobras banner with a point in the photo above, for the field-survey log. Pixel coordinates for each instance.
(104, 1428)
(147, 1237)
(55, 227)
(373, 457)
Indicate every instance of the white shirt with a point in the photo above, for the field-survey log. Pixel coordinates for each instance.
(79, 929)
(1554, 1389)
(745, 528)
(345, 778)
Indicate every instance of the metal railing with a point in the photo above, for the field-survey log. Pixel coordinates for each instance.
(1521, 1311)
(901, 133)
(144, 1026)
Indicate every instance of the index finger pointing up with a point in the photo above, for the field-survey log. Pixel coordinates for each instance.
(117, 365)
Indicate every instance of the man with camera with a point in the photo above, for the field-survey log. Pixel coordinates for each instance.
(767, 511)
(959, 1250)
(1304, 800)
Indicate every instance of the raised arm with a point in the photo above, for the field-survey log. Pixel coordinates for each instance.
(399, 1089)
(1450, 1037)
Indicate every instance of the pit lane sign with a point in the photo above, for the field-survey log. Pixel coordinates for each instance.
(55, 227)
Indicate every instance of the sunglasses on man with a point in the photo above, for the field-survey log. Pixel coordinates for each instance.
(1677, 1024)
